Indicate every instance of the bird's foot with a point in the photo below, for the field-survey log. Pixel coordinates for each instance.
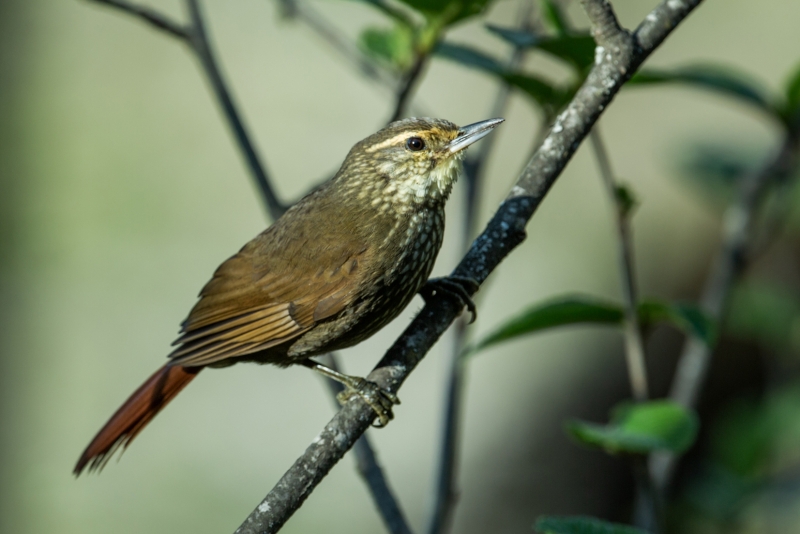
(379, 399)
(458, 288)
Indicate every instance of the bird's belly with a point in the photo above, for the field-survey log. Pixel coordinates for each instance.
(399, 281)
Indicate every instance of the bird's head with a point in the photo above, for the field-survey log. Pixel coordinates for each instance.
(411, 161)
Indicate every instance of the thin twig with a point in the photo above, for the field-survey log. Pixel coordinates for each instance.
(731, 261)
(368, 467)
(196, 37)
(648, 513)
(340, 43)
(504, 232)
(634, 347)
(408, 84)
(202, 47)
(151, 16)
(647, 506)
(445, 495)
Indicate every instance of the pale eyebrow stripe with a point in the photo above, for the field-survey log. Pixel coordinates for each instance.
(391, 141)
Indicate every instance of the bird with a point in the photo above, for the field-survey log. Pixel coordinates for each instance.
(331, 271)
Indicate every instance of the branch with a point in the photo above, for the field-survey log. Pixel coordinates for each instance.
(202, 47)
(196, 37)
(302, 11)
(366, 460)
(605, 28)
(368, 467)
(445, 495)
(407, 85)
(634, 347)
(151, 16)
(731, 261)
(647, 507)
(504, 232)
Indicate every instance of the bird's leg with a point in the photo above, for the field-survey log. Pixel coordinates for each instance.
(379, 399)
(454, 287)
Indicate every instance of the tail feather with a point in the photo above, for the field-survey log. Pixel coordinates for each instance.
(133, 416)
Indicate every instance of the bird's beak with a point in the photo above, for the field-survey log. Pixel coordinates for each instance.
(471, 133)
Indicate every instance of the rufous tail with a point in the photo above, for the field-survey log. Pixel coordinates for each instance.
(134, 415)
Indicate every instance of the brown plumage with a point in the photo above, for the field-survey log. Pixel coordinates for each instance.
(332, 271)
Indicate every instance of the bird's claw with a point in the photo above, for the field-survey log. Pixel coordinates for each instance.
(379, 399)
(458, 288)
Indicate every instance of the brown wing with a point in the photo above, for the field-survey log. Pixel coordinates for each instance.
(272, 291)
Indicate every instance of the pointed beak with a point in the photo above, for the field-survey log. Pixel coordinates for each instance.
(471, 133)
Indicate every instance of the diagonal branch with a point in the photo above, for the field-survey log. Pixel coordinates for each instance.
(370, 470)
(648, 509)
(634, 347)
(504, 232)
(445, 493)
(407, 86)
(202, 47)
(151, 16)
(300, 10)
(195, 36)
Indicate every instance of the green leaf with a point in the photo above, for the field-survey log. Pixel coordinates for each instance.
(641, 429)
(448, 11)
(687, 317)
(767, 313)
(716, 169)
(759, 438)
(551, 12)
(470, 57)
(556, 312)
(626, 199)
(793, 92)
(716, 78)
(398, 15)
(581, 309)
(393, 47)
(575, 49)
(546, 95)
(581, 525)
(515, 36)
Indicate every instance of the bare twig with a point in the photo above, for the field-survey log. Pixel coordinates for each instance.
(648, 512)
(407, 85)
(503, 233)
(151, 16)
(340, 43)
(355, 57)
(634, 347)
(196, 37)
(731, 261)
(202, 47)
(445, 497)
(647, 507)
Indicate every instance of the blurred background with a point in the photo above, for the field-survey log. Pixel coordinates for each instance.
(121, 190)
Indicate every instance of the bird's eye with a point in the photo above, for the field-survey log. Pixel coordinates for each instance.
(415, 144)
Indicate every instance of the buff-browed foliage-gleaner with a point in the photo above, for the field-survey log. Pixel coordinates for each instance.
(333, 270)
